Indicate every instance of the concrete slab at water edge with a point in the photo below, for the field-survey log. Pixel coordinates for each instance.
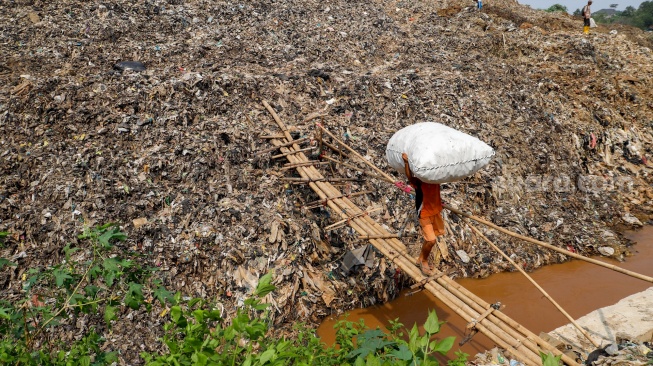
(631, 318)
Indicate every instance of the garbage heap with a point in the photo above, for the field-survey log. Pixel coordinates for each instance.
(150, 114)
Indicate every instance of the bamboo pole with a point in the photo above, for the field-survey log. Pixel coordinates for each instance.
(323, 202)
(294, 152)
(351, 217)
(381, 172)
(580, 329)
(388, 236)
(293, 166)
(335, 149)
(549, 246)
(322, 179)
(279, 146)
(341, 163)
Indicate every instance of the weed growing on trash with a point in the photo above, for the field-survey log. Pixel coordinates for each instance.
(550, 360)
(198, 335)
(57, 295)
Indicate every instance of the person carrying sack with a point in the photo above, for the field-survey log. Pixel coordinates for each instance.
(429, 207)
(587, 14)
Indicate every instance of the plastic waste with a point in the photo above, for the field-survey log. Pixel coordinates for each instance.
(129, 65)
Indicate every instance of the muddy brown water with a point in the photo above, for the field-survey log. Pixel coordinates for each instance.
(577, 286)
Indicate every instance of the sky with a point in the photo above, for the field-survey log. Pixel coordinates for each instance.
(572, 5)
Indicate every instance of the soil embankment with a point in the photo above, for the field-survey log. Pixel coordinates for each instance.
(170, 152)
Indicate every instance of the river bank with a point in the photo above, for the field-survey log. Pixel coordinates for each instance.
(579, 287)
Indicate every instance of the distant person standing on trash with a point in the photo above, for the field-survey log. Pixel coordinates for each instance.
(479, 4)
(587, 14)
(429, 207)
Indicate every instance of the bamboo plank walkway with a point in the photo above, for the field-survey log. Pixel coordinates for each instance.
(519, 342)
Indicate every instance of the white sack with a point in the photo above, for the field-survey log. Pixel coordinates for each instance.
(592, 23)
(437, 153)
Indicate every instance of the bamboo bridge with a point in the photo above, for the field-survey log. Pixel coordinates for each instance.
(517, 341)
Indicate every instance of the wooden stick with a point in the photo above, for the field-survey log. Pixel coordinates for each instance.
(383, 174)
(474, 229)
(348, 166)
(335, 149)
(352, 217)
(293, 152)
(426, 280)
(389, 236)
(549, 246)
(340, 162)
(279, 146)
(310, 163)
(305, 180)
(324, 201)
(272, 137)
(487, 312)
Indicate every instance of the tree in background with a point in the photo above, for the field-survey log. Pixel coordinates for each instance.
(557, 7)
(629, 11)
(641, 17)
(578, 13)
(644, 15)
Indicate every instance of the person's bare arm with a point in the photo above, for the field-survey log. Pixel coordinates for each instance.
(409, 174)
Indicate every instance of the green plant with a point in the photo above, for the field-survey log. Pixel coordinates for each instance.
(549, 359)
(3, 234)
(198, 334)
(92, 282)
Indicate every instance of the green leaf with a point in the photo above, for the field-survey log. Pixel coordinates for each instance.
(413, 337)
(267, 356)
(134, 296)
(61, 275)
(110, 234)
(549, 359)
(264, 287)
(111, 264)
(91, 290)
(248, 361)
(177, 316)
(199, 359)
(432, 325)
(6, 262)
(85, 361)
(402, 353)
(372, 361)
(193, 302)
(444, 345)
(4, 314)
(164, 295)
(109, 314)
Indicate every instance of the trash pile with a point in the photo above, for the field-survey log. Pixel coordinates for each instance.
(150, 114)
(625, 353)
